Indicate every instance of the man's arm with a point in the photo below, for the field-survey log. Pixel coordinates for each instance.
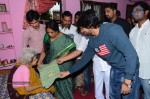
(41, 57)
(80, 48)
(87, 56)
(72, 55)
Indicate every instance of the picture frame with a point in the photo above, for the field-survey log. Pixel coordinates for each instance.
(3, 8)
(56, 15)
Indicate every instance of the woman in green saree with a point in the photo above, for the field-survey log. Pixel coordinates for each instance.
(57, 44)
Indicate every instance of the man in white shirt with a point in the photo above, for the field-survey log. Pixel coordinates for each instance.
(140, 39)
(67, 28)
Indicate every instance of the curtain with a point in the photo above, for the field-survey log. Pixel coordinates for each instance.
(40, 5)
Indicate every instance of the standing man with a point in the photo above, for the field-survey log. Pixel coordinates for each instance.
(110, 43)
(33, 36)
(112, 14)
(67, 28)
(140, 39)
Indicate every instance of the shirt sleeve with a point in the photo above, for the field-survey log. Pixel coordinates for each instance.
(87, 56)
(83, 44)
(117, 36)
(26, 77)
(21, 76)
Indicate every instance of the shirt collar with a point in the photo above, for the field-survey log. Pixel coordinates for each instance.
(62, 27)
(32, 29)
(144, 24)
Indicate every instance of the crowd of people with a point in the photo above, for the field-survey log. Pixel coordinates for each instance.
(116, 50)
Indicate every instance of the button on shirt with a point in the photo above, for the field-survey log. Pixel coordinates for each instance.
(72, 32)
(34, 38)
(140, 39)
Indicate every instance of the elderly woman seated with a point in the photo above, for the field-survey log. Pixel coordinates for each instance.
(23, 81)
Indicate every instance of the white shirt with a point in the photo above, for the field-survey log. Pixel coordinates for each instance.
(140, 39)
(98, 63)
(72, 32)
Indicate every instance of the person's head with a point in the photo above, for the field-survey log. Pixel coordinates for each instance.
(76, 17)
(88, 21)
(32, 18)
(111, 10)
(66, 19)
(28, 56)
(52, 28)
(140, 11)
(131, 21)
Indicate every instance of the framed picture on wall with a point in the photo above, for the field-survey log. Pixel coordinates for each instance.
(3, 8)
(56, 15)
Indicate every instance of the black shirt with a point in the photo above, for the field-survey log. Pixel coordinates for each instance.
(125, 25)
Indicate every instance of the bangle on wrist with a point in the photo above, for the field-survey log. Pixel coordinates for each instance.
(128, 85)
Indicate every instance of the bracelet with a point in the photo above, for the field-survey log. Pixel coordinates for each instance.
(128, 85)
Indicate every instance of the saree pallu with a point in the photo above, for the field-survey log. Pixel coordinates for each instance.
(64, 87)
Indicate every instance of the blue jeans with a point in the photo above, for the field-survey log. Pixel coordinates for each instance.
(87, 76)
(117, 77)
(146, 88)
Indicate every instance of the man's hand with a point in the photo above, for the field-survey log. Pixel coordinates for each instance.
(64, 74)
(60, 60)
(125, 89)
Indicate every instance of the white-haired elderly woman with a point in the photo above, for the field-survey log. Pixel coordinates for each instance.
(25, 82)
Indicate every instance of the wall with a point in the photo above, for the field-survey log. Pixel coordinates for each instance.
(14, 21)
(74, 5)
(17, 12)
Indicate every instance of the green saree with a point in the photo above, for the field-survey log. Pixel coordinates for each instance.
(64, 87)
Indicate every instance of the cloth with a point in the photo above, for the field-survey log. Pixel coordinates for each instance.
(48, 75)
(101, 78)
(113, 46)
(34, 80)
(64, 86)
(124, 24)
(140, 39)
(13, 94)
(72, 32)
(21, 77)
(34, 38)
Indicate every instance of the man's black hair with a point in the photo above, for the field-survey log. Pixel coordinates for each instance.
(32, 15)
(112, 6)
(88, 19)
(67, 13)
(143, 4)
(78, 13)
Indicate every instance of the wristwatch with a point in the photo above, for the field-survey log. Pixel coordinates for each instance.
(128, 85)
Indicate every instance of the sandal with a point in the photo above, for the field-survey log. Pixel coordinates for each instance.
(84, 93)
